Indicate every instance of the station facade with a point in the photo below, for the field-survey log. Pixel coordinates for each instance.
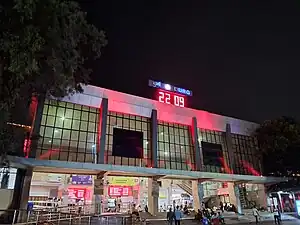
(206, 154)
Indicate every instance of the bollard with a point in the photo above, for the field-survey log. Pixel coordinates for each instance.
(28, 215)
(89, 220)
(37, 217)
(14, 217)
(58, 219)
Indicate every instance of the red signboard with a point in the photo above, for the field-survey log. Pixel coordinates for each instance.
(224, 185)
(77, 193)
(171, 98)
(119, 191)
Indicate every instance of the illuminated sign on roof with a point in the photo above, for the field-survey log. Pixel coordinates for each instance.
(169, 87)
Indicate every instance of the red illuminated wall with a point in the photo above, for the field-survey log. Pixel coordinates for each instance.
(134, 105)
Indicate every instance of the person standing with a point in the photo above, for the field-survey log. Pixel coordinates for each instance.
(276, 216)
(255, 214)
(222, 207)
(170, 216)
(178, 215)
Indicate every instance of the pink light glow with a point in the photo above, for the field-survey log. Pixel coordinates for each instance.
(26, 148)
(225, 166)
(134, 105)
(47, 154)
(250, 168)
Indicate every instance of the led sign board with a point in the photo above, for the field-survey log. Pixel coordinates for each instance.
(169, 87)
(169, 94)
(171, 98)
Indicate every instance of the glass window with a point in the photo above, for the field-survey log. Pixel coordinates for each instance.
(247, 158)
(66, 128)
(130, 122)
(169, 139)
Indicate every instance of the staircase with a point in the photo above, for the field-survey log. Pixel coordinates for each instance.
(246, 203)
(242, 192)
(185, 185)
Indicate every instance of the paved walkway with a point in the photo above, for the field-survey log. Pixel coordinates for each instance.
(230, 218)
(189, 222)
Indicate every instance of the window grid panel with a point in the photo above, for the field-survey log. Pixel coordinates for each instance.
(130, 122)
(60, 119)
(215, 137)
(175, 149)
(246, 155)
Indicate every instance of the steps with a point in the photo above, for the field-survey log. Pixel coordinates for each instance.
(185, 185)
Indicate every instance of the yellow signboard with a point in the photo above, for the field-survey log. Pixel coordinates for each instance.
(123, 181)
(162, 194)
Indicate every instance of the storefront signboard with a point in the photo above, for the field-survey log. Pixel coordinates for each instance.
(118, 191)
(123, 181)
(82, 179)
(76, 193)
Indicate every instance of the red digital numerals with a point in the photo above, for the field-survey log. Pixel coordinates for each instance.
(171, 99)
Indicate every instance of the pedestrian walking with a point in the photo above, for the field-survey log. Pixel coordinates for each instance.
(276, 216)
(178, 215)
(255, 214)
(170, 216)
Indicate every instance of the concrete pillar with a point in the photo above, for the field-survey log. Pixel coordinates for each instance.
(153, 194)
(228, 138)
(234, 196)
(197, 150)
(36, 125)
(26, 188)
(154, 139)
(102, 132)
(198, 194)
(99, 192)
(262, 196)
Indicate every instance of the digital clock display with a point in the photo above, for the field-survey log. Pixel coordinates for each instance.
(171, 98)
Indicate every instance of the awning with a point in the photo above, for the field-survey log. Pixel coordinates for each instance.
(54, 166)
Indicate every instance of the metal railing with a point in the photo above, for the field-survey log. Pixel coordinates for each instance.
(22, 217)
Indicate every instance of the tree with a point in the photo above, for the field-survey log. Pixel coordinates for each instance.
(45, 46)
(279, 140)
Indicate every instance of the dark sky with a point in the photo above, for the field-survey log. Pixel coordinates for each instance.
(240, 58)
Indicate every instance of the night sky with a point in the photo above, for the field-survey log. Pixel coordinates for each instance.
(240, 58)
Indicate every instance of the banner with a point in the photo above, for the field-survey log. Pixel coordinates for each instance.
(82, 179)
(119, 191)
(123, 181)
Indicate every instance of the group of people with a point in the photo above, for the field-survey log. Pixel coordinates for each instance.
(207, 216)
(174, 216)
(276, 214)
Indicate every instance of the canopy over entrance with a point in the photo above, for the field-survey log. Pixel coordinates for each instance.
(53, 166)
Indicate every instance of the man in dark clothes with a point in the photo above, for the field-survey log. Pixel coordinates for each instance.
(170, 216)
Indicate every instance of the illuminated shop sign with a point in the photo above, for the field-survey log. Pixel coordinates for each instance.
(170, 94)
(76, 193)
(119, 191)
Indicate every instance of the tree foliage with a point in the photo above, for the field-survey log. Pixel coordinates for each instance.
(278, 134)
(45, 46)
(279, 140)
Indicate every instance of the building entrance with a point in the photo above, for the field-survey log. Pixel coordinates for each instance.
(120, 193)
